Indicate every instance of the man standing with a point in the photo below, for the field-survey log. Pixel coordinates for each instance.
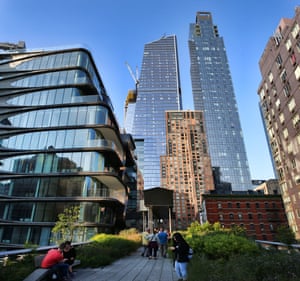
(163, 242)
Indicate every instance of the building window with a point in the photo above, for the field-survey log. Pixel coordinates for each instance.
(219, 206)
(279, 61)
(259, 216)
(221, 217)
(250, 217)
(288, 44)
(281, 118)
(270, 77)
(257, 205)
(277, 103)
(285, 133)
(252, 227)
(238, 205)
(295, 30)
(229, 205)
(298, 45)
(231, 216)
(287, 89)
(297, 72)
(240, 216)
(248, 205)
(293, 58)
(283, 75)
(292, 105)
(296, 120)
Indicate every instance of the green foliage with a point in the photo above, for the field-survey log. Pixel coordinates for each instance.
(67, 224)
(227, 255)
(105, 249)
(16, 270)
(284, 234)
(217, 242)
(265, 266)
(225, 245)
(201, 229)
(131, 234)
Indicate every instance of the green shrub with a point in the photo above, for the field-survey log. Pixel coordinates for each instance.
(15, 270)
(224, 245)
(263, 266)
(104, 250)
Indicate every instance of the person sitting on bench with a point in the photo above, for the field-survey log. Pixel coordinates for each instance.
(54, 259)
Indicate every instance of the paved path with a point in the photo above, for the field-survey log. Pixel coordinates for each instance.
(131, 268)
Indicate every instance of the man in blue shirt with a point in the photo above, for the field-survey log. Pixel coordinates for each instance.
(163, 242)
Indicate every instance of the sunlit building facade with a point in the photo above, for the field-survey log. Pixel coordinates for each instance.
(159, 90)
(280, 104)
(213, 94)
(186, 167)
(60, 146)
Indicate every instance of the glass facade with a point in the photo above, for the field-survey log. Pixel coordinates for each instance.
(60, 146)
(158, 91)
(213, 93)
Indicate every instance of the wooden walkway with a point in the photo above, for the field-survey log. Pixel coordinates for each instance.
(131, 268)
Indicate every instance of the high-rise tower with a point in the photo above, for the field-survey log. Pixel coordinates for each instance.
(213, 94)
(280, 103)
(158, 91)
(186, 168)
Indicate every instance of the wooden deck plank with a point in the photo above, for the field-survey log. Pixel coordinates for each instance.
(131, 268)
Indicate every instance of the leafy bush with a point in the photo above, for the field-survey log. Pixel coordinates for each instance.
(223, 245)
(104, 250)
(16, 270)
(265, 266)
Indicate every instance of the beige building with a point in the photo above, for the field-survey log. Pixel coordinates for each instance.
(186, 168)
(269, 187)
(279, 93)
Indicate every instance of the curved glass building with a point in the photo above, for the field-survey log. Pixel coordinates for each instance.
(60, 146)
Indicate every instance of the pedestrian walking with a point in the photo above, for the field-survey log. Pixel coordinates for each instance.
(153, 244)
(145, 243)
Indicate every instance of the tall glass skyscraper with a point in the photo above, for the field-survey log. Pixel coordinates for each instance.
(213, 93)
(60, 146)
(158, 91)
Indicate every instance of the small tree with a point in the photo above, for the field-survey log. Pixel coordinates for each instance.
(285, 235)
(68, 224)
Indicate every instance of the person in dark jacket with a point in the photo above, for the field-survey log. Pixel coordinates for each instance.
(69, 254)
(181, 251)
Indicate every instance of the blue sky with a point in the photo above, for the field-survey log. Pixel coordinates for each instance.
(116, 32)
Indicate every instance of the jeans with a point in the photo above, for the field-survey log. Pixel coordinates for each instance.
(62, 268)
(181, 269)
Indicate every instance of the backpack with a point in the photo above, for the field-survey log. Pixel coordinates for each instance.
(190, 253)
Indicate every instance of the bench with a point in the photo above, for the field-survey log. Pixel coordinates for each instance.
(39, 273)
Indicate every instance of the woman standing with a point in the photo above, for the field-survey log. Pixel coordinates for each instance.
(181, 252)
(153, 244)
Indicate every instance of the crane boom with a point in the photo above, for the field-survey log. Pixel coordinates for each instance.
(135, 78)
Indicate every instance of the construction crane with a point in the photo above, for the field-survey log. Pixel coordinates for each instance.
(134, 77)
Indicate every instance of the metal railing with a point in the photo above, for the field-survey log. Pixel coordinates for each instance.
(19, 254)
(277, 245)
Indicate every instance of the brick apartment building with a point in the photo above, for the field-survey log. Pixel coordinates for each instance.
(260, 215)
